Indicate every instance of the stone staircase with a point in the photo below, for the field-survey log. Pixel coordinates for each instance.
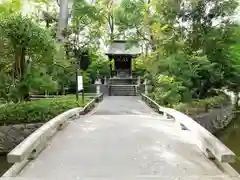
(122, 87)
(122, 81)
(123, 90)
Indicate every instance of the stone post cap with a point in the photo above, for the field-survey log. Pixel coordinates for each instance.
(98, 82)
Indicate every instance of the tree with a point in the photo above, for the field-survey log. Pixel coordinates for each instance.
(46, 12)
(131, 19)
(232, 69)
(31, 46)
(99, 67)
(147, 22)
(108, 13)
(190, 43)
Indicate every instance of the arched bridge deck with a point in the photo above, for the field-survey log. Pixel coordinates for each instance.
(122, 138)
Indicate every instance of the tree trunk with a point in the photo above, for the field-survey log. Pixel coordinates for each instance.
(19, 69)
(111, 25)
(22, 64)
(19, 64)
(62, 20)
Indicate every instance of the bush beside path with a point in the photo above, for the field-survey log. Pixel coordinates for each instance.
(38, 111)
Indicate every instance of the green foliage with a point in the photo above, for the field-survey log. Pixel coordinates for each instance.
(194, 47)
(99, 68)
(25, 35)
(37, 111)
(196, 107)
(31, 61)
(10, 6)
(86, 25)
(33, 51)
(233, 65)
(62, 70)
(139, 66)
(147, 22)
(134, 15)
(195, 72)
(130, 14)
(86, 12)
(40, 82)
(5, 85)
(168, 91)
(190, 47)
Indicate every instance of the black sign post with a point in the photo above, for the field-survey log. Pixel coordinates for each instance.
(83, 87)
(76, 81)
(82, 62)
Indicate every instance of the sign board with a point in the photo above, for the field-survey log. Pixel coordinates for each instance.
(80, 83)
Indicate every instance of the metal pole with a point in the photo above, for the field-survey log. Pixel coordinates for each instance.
(76, 81)
(83, 87)
(80, 59)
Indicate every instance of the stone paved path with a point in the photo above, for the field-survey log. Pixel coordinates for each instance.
(122, 139)
(122, 105)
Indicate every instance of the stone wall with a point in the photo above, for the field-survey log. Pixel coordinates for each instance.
(12, 135)
(215, 119)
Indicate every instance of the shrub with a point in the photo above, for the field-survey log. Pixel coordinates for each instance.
(203, 105)
(168, 91)
(37, 111)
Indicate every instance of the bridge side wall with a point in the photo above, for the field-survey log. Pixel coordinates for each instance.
(215, 119)
(12, 135)
(206, 142)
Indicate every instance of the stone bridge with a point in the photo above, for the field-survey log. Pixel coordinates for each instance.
(121, 138)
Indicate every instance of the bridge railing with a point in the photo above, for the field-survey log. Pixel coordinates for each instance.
(37, 141)
(212, 147)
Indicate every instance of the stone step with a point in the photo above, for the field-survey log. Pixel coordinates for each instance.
(123, 90)
(122, 81)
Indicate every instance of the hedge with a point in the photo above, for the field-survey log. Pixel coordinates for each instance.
(203, 105)
(37, 111)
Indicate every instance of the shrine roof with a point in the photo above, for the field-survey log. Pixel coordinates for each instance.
(119, 47)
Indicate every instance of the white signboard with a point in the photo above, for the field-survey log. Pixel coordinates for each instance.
(80, 83)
